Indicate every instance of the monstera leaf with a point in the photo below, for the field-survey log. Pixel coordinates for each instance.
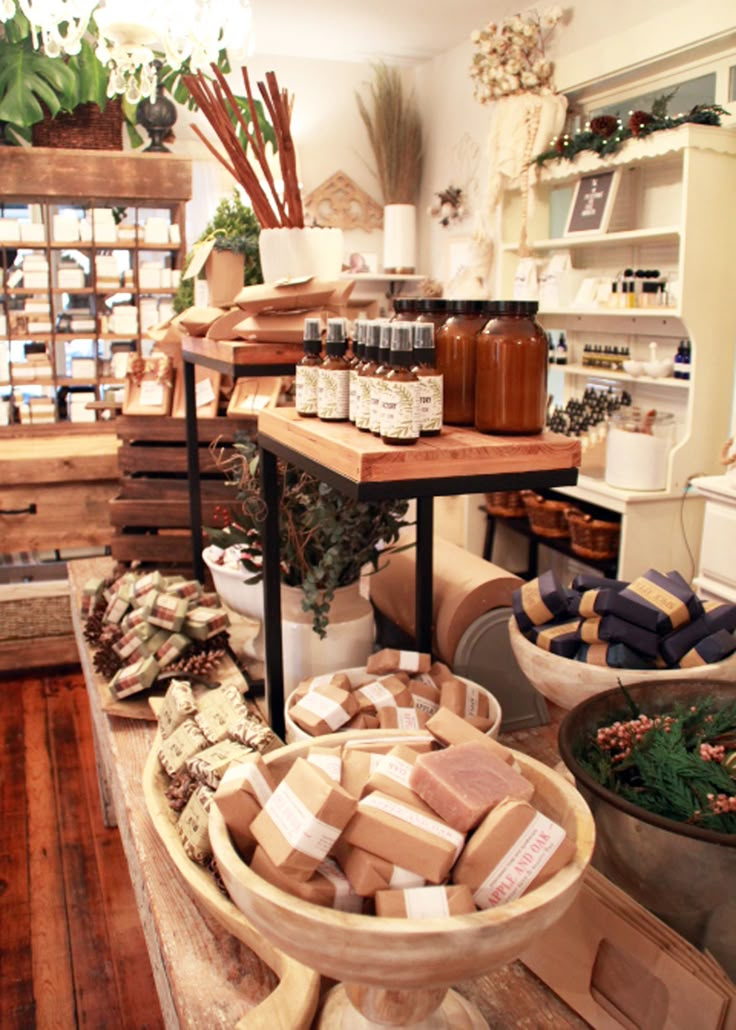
(29, 78)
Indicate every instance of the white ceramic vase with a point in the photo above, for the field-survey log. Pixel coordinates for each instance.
(294, 253)
(399, 238)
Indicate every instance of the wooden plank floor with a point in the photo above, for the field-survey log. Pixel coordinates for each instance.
(72, 952)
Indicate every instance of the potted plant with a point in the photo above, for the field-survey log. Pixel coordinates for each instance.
(326, 538)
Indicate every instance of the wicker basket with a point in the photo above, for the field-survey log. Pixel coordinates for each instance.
(86, 128)
(593, 538)
(508, 504)
(547, 518)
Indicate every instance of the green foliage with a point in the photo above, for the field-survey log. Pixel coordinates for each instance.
(326, 538)
(662, 771)
(29, 79)
(237, 229)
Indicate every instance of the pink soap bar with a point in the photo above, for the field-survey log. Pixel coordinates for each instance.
(464, 782)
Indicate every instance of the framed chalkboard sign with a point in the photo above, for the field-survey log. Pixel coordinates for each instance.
(592, 203)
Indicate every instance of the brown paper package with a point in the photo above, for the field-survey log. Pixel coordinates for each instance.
(391, 775)
(242, 792)
(368, 873)
(391, 660)
(425, 903)
(450, 728)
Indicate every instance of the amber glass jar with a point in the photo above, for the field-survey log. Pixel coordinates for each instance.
(511, 370)
(455, 343)
(405, 309)
(432, 309)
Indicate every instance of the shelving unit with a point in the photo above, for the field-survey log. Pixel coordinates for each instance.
(674, 211)
(35, 186)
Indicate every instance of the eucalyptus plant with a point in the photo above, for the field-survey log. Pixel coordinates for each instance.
(326, 539)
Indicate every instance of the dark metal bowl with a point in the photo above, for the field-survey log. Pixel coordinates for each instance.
(684, 874)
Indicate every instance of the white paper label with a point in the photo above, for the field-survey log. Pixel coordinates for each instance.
(204, 394)
(403, 878)
(472, 700)
(248, 772)
(363, 402)
(152, 394)
(395, 768)
(330, 764)
(353, 396)
(423, 704)
(376, 390)
(345, 899)
(406, 719)
(426, 903)
(399, 410)
(378, 694)
(306, 389)
(322, 680)
(429, 401)
(333, 393)
(300, 827)
(409, 661)
(522, 862)
(415, 818)
(328, 710)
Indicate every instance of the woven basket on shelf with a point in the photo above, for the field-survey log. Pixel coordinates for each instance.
(593, 538)
(547, 518)
(508, 504)
(86, 128)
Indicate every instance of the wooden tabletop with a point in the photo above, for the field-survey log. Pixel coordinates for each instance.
(456, 452)
(204, 976)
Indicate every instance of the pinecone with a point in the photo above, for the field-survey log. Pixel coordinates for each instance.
(95, 623)
(202, 656)
(106, 661)
(180, 790)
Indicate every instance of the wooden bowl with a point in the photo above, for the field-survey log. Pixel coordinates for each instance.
(566, 682)
(358, 676)
(407, 962)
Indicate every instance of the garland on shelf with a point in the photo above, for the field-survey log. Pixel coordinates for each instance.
(680, 764)
(605, 134)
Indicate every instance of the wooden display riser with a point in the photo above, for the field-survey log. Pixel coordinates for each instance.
(150, 514)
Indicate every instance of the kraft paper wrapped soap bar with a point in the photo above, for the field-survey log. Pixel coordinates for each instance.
(714, 648)
(588, 581)
(464, 699)
(201, 623)
(515, 849)
(538, 601)
(178, 705)
(209, 766)
(241, 794)
(324, 709)
(400, 718)
(425, 902)
(357, 767)
(464, 782)
(449, 728)
(328, 886)
(380, 693)
(132, 679)
(390, 660)
(425, 694)
(218, 710)
(169, 612)
(193, 825)
(391, 774)
(302, 819)
(367, 873)
(405, 836)
(328, 759)
(186, 740)
(673, 601)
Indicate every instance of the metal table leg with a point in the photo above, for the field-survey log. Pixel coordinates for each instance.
(272, 593)
(193, 481)
(424, 573)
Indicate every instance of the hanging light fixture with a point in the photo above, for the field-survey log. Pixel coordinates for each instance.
(131, 35)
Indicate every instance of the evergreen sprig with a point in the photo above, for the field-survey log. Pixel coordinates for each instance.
(661, 769)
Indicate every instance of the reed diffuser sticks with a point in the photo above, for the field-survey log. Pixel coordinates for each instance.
(215, 99)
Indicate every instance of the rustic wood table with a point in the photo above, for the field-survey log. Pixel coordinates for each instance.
(205, 977)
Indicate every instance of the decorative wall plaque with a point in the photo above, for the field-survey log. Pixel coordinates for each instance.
(340, 203)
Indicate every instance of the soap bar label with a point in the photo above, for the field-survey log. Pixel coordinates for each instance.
(429, 400)
(415, 818)
(328, 710)
(426, 903)
(300, 827)
(306, 389)
(524, 860)
(378, 694)
(329, 764)
(248, 772)
(333, 393)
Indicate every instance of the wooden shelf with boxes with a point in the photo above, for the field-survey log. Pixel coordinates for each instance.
(62, 252)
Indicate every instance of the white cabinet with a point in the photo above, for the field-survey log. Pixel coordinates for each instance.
(716, 576)
(675, 212)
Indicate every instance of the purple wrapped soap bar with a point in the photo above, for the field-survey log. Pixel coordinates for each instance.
(612, 602)
(672, 599)
(616, 656)
(676, 644)
(539, 601)
(560, 638)
(589, 581)
(612, 629)
(714, 648)
(720, 615)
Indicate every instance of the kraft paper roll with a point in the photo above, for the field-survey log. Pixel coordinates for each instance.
(464, 588)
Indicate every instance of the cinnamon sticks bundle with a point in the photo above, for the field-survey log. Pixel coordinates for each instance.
(218, 104)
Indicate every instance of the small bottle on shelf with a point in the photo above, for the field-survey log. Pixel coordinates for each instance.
(307, 371)
(379, 375)
(365, 377)
(430, 380)
(400, 391)
(333, 382)
(355, 364)
(561, 350)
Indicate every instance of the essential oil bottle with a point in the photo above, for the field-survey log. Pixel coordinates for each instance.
(356, 362)
(430, 380)
(307, 371)
(400, 391)
(379, 376)
(365, 377)
(333, 376)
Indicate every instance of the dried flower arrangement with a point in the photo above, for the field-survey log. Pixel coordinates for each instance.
(448, 206)
(395, 134)
(510, 56)
(680, 765)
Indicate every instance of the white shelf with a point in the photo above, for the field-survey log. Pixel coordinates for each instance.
(629, 314)
(605, 373)
(657, 234)
(597, 491)
(381, 277)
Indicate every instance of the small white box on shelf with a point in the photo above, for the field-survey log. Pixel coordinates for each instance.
(32, 232)
(149, 275)
(175, 278)
(71, 278)
(126, 233)
(174, 234)
(34, 280)
(9, 229)
(85, 230)
(166, 278)
(103, 225)
(65, 228)
(156, 230)
(3, 332)
(124, 320)
(78, 410)
(83, 368)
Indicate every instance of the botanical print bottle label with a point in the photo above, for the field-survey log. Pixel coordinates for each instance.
(430, 403)
(306, 389)
(376, 389)
(399, 404)
(353, 396)
(333, 393)
(363, 402)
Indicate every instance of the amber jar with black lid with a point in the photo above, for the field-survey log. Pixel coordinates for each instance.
(455, 343)
(405, 309)
(511, 370)
(432, 309)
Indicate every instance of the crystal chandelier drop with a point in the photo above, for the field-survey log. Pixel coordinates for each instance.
(132, 33)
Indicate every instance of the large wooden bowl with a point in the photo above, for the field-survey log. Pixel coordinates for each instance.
(400, 969)
(566, 682)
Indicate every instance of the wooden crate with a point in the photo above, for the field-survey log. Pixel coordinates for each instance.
(36, 625)
(150, 514)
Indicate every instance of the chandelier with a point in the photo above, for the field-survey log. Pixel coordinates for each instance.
(130, 35)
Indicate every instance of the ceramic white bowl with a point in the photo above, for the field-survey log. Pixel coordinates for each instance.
(658, 369)
(634, 368)
(358, 676)
(566, 682)
(244, 598)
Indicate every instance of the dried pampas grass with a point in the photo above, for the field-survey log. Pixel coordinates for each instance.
(395, 133)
